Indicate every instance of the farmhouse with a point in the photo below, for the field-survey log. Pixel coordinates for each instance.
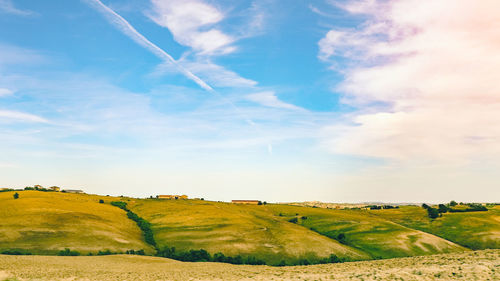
(73, 191)
(170, 197)
(55, 188)
(249, 202)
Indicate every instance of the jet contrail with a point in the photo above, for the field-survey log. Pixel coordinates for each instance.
(129, 30)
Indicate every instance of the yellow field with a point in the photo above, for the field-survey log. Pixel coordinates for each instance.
(46, 222)
(480, 265)
(235, 230)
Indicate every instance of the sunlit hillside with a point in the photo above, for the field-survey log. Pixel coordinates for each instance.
(47, 222)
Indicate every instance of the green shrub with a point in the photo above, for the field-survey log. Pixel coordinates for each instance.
(16, 195)
(16, 252)
(68, 252)
(293, 220)
(101, 201)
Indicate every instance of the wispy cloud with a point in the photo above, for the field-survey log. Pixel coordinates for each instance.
(6, 6)
(124, 26)
(433, 69)
(269, 99)
(9, 115)
(191, 23)
(5, 92)
(213, 73)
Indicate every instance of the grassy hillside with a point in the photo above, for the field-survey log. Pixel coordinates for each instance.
(46, 222)
(376, 236)
(475, 230)
(235, 230)
(481, 265)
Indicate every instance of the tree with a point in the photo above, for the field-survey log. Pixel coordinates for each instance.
(432, 213)
(101, 201)
(16, 195)
(293, 220)
(341, 238)
(453, 203)
(425, 206)
(442, 208)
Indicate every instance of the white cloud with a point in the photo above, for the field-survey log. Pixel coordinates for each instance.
(5, 92)
(8, 7)
(434, 66)
(20, 116)
(269, 99)
(191, 23)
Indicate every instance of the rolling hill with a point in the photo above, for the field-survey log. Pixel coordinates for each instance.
(360, 229)
(474, 230)
(235, 230)
(47, 222)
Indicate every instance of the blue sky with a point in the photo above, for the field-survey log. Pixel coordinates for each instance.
(272, 100)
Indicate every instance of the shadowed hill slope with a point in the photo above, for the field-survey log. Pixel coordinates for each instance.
(46, 222)
(475, 230)
(361, 229)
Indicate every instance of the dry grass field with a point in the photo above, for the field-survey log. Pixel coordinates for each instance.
(46, 222)
(480, 265)
(235, 230)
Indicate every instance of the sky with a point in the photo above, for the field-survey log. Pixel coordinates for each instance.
(334, 101)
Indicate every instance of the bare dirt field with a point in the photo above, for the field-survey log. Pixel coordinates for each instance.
(478, 265)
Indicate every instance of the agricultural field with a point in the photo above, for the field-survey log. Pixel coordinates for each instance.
(362, 230)
(47, 222)
(474, 230)
(478, 265)
(274, 234)
(236, 230)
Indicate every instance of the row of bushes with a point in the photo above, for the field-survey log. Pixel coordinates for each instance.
(379, 207)
(143, 224)
(442, 208)
(204, 256)
(16, 252)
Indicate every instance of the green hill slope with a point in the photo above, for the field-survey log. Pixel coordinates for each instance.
(378, 237)
(235, 230)
(475, 230)
(46, 222)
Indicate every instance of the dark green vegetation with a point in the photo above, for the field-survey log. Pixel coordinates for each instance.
(197, 230)
(143, 224)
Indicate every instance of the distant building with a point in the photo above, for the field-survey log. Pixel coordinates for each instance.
(55, 188)
(249, 202)
(73, 191)
(38, 186)
(172, 197)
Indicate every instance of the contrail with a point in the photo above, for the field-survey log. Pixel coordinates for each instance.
(129, 30)
(124, 26)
